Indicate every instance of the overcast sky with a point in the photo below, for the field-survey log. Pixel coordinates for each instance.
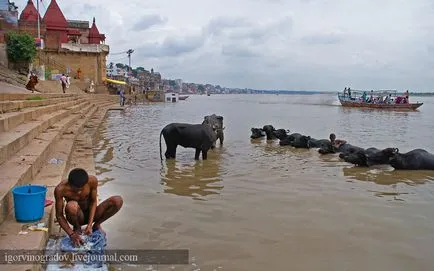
(271, 44)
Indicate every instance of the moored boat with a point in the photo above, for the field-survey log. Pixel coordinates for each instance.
(182, 98)
(381, 99)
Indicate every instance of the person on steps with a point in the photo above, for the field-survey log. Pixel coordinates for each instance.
(64, 82)
(80, 193)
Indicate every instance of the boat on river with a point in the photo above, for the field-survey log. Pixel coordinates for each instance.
(184, 97)
(381, 99)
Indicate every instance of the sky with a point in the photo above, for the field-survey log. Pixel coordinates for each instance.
(322, 45)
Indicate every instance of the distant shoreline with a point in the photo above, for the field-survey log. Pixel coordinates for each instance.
(428, 94)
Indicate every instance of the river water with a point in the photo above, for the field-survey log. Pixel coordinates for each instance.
(254, 205)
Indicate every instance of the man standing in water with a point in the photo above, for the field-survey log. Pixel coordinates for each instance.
(80, 194)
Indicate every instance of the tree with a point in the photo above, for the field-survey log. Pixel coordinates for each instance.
(20, 47)
(119, 65)
(201, 88)
(111, 65)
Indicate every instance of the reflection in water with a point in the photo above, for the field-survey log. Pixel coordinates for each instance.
(386, 175)
(370, 124)
(195, 180)
(339, 217)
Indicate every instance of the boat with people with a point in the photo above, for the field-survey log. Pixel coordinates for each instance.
(380, 99)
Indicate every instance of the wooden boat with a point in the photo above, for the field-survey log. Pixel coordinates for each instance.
(356, 100)
(182, 98)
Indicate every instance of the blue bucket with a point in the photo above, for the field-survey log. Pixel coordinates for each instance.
(29, 202)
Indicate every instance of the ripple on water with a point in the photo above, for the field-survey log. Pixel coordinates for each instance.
(255, 199)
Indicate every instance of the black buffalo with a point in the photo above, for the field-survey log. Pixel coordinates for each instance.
(281, 133)
(269, 132)
(417, 159)
(343, 149)
(295, 140)
(201, 137)
(257, 133)
(217, 123)
(370, 157)
(317, 143)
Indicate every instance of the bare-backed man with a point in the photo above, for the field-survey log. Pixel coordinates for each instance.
(80, 193)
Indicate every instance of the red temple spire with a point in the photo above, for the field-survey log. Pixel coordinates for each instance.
(29, 13)
(54, 17)
(94, 36)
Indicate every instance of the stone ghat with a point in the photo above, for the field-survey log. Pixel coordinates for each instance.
(32, 133)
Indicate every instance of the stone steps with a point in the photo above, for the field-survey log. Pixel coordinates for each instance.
(25, 164)
(26, 96)
(13, 106)
(14, 140)
(50, 175)
(32, 132)
(8, 121)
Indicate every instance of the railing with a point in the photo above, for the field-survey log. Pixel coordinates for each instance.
(52, 64)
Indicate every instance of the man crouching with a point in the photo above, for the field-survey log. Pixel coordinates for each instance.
(80, 193)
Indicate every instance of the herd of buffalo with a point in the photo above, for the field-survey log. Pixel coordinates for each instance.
(417, 159)
(202, 137)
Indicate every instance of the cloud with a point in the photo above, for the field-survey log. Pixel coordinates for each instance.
(172, 46)
(322, 38)
(147, 21)
(238, 51)
(271, 44)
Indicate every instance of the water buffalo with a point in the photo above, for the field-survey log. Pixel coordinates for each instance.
(343, 149)
(269, 132)
(257, 133)
(370, 157)
(417, 159)
(281, 133)
(217, 123)
(317, 143)
(201, 137)
(295, 140)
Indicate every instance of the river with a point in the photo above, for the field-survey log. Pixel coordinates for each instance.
(254, 205)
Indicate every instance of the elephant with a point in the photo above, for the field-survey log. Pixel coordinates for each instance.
(257, 133)
(201, 137)
(216, 121)
(417, 159)
(370, 157)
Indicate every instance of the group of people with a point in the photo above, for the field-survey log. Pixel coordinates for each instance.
(380, 99)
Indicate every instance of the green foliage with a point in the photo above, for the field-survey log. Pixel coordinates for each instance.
(20, 47)
(35, 98)
(47, 74)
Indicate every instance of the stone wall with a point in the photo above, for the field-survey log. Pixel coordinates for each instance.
(91, 65)
(3, 55)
